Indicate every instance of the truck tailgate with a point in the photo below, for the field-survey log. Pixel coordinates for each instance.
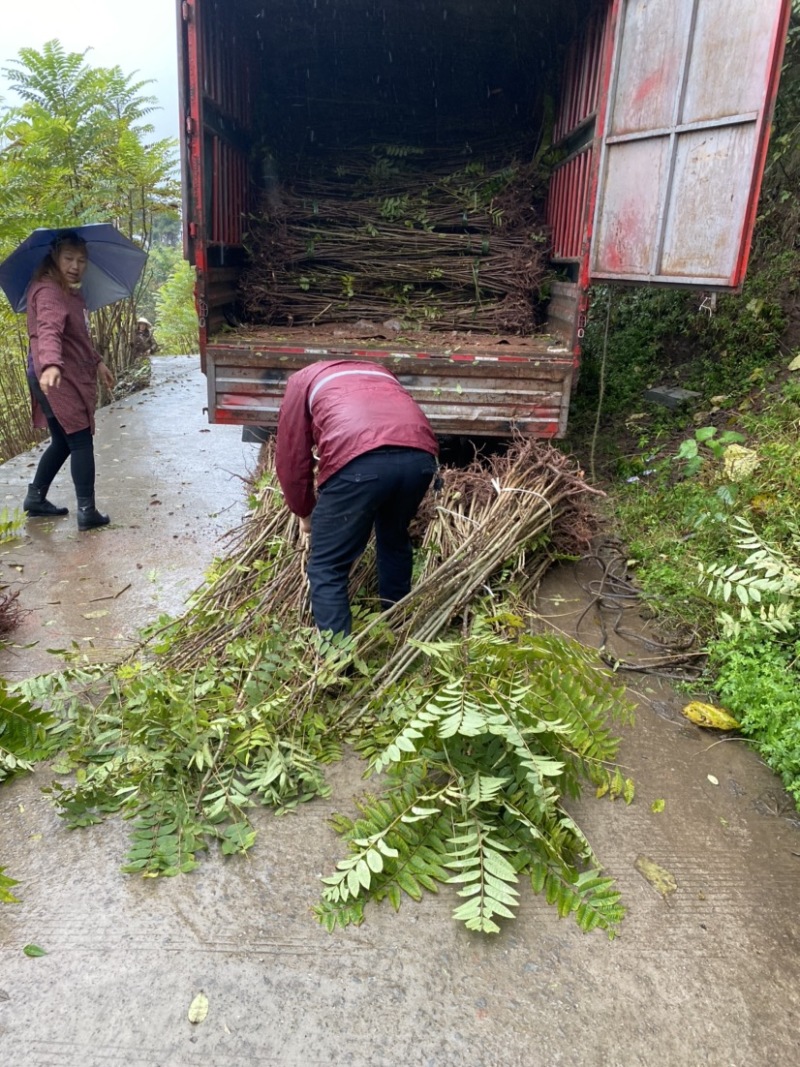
(484, 388)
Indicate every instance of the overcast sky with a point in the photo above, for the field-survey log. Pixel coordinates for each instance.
(135, 35)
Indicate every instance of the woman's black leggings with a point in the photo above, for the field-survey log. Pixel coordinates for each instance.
(78, 446)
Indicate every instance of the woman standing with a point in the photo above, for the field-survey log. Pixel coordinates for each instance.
(62, 373)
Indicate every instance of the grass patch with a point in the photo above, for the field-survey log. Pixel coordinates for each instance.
(672, 500)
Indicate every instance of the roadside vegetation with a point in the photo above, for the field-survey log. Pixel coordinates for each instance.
(707, 497)
(77, 147)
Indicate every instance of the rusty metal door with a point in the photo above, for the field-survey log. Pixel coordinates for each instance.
(685, 131)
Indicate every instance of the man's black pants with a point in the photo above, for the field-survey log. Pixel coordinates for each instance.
(382, 488)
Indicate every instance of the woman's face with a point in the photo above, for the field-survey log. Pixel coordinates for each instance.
(71, 263)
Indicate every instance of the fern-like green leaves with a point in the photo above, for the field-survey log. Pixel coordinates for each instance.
(479, 748)
(766, 585)
(24, 733)
(185, 756)
(396, 847)
(486, 877)
(496, 733)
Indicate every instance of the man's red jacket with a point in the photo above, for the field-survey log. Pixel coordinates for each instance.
(337, 410)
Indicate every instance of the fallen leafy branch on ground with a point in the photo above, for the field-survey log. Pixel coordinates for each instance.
(24, 733)
(481, 747)
(238, 705)
(6, 896)
(24, 738)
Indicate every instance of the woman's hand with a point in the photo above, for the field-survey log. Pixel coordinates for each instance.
(50, 378)
(106, 377)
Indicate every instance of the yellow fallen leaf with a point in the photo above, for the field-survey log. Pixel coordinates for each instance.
(660, 879)
(763, 503)
(198, 1009)
(739, 462)
(95, 614)
(709, 716)
(795, 364)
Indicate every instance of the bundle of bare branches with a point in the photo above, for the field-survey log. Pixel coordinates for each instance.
(10, 611)
(450, 249)
(262, 579)
(512, 513)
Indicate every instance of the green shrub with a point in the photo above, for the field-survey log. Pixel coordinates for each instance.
(758, 680)
(176, 318)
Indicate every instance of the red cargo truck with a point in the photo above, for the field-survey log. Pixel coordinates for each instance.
(655, 116)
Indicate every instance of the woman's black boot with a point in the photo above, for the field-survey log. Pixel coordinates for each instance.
(37, 504)
(88, 515)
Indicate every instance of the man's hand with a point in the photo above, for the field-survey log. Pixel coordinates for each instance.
(50, 379)
(106, 377)
(305, 525)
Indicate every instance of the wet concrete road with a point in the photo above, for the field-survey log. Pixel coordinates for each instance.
(172, 485)
(709, 975)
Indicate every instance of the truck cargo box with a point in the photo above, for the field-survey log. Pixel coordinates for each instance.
(644, 127)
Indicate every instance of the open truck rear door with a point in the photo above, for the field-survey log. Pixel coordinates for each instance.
(683, 140)
(662, 118)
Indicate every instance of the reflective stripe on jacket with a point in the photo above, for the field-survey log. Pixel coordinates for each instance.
(339, 409)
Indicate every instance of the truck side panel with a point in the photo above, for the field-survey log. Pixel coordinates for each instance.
(217, 74)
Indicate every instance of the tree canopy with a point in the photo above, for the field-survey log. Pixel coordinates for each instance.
(77, 149)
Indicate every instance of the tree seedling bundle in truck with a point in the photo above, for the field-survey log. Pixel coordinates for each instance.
(436, 186)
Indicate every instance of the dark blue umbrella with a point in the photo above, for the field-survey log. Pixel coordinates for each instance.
(115, 264)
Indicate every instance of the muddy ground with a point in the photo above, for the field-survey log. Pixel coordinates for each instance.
(708, 974)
